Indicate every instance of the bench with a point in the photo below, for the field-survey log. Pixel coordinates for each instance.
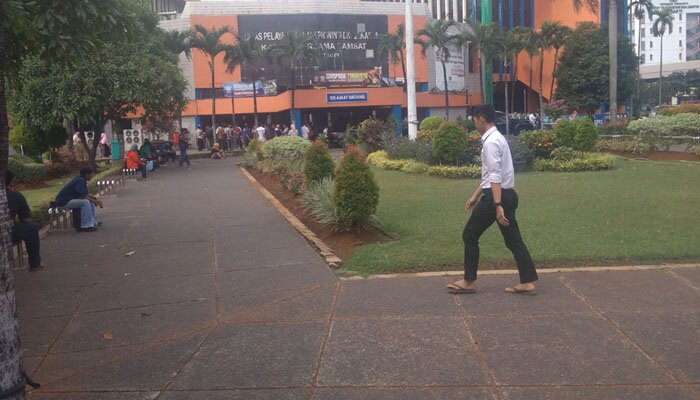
(18, 254)
(61, 218)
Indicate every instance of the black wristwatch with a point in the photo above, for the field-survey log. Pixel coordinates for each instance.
(497, 205)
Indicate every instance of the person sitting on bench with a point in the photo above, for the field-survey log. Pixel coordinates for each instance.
(75, 195)
(22, 227)
(134, 162)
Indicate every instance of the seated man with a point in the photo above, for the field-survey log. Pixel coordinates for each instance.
(75, 195)
(166, 153)
(23, 229)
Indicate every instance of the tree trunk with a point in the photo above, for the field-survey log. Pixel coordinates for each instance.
(512, 84)
(291, 110)
(612, 52)
(255, 99)
(661, 68)
(213, 100)
(11, 354)
(639, 60)
(403, 68)
(233, 104)
(447, 93)
(481, 75)
(532, 60)
(554, 70)
(540, 88)
(507, 108)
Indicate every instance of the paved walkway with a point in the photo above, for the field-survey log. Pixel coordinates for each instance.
(222, 299)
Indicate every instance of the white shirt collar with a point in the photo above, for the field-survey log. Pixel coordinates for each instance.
(488, 133)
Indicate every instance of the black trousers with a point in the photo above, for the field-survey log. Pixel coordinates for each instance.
(29, 233)
(483, 216)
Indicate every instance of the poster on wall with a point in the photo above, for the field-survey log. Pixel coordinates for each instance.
(349, 79)
(245, 89)
(455, 71)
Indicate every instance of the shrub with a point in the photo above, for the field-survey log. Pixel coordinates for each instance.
(587, 162)
(632, 144)
(56, 136)
(378, 158)
(319, 163)
(31, 140)
(356, 193)
(466, 124)
(449, 144)
(613, 128)
(318, 199)
(294, 181)
(540, 143)
(687, 108)
(373, 133)
(677, 125)
(445, 171)
(25, 169)
(404, 148)
(695, 150)
(414, 167)
(586, 135)
(472, 152)
(285, 148)
(564, 154)
(429, 126)
(565, 133)
(519, 150)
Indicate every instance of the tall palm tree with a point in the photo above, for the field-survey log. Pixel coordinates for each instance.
(179, 42)
(482, 36)
(559, 37)
(640, 9)
(392, 46)
(435, 34)
(208, 42)
(532, 48)
(246, 50)
(296, 47)
(662, 24)
(546, 36)
(507, 46)
(233, 60)
(520, 36)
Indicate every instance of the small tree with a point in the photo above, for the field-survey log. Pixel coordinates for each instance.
(356, 193)
(29, 139)
(449, 144)
(319, 163)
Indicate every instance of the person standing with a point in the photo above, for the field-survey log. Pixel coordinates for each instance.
(200, 138)
(246, 135)
(305, 131)
(261, 133)
(494, 200)
(23, 229)
(293, 131)
(184, 145)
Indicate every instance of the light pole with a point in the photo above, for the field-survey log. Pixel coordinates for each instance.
(411, 72)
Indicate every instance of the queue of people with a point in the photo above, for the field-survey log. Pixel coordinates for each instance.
(232, 137)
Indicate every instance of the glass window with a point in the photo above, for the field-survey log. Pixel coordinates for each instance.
(680, 29)
(680, 56)
(651, 57)
(680, 43)
(651, 44)
(641, 59)
(643, 32)
(680, 16)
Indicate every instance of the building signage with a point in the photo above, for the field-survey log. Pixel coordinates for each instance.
(348, 79)
(455, 70)
(357, 97)
(245, 89)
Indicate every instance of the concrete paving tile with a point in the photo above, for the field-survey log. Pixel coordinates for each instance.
(132, 291)
(312, 306)
(64, 275)
(286, 278)
(255, 394)
(455, 393)
(135, 325)
(561, 350)
(261, 237)
(597, 393)
(632, 291)
(245, 222)
(233, 255)
(391, 352)
(671, 338)
(691, 274)
(404, 297)
(148, 371)
(37, 334)
(39, 395)
(50, 302)
(232, 307)
(553, 298)
(30, 363)
(162, 260)
(255, 355)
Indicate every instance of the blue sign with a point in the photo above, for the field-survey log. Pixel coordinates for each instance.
(357, 97)
(245, 89)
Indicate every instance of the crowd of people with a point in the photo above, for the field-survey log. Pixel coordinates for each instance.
(232, 137)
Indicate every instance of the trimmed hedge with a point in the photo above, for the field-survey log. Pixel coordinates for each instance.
(677, 125)
(356, 193)
(381, 160)
(463, 172)
(449, 144)
(26, 170)
(682, 109)
(285, 148)
(589, 162)
(319, 163)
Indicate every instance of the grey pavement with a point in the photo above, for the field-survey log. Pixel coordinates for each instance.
(223, 299)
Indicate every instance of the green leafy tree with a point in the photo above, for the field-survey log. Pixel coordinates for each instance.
(520, 34)
(246, 50)
(392, 46)
(209, 43)
(582, 78)
(319, 163)
(508, 45)
(449, 144)
(559, 37)
(532, 41)
(640, 9)
(662, 24)
(547, 32)
(474, 33)
(356, 193)
(31, 140)
(435, 34)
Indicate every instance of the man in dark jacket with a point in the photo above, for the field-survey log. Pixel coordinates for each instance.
(75, 195)
(22, 227)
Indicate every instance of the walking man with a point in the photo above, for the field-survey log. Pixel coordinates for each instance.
(494, 200)
(184, 145)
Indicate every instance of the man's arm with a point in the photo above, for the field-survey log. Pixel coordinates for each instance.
(469, 206)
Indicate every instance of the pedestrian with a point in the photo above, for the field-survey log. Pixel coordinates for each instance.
(134, 161)
(305, 131)
(209, 137)
(278, 130)
(23, 229)
(246, 135)
(293, 131)
(184, 144)
(200, 138)
(494, 200)
(260, 130)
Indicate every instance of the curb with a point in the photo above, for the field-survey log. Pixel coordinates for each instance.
(326, 252)
(539, 271)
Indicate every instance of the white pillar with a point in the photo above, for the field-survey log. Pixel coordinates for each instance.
(411, 72)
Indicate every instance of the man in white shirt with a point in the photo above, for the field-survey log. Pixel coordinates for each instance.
(494, 200)
(261, 133)
(305, 131)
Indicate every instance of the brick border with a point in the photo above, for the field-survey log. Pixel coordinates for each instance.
(326, 252)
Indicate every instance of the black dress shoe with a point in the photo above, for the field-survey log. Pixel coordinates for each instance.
(38, 267)
(91, 229)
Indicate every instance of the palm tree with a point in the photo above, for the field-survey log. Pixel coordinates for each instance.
(209, 43)
(480, 35)
(520, 36)
(664, 21)
(507, 47)
(247, 50)
(296, 47)
(559, 38)
(546, 36)
(179, 42)
(391, 46)
(532, 48)
(640, 9)
(436, 35)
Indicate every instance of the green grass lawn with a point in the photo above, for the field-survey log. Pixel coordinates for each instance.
(640, 212)
(37, 196)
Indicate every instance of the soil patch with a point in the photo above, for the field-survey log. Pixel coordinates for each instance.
(343, 243)
(20, 187)
(660, 155)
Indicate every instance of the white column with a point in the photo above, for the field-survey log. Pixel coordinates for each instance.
(411, 72)
(439, 9)
(455, 10)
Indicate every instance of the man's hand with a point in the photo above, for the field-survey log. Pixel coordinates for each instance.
(501, 217)
(469, 206)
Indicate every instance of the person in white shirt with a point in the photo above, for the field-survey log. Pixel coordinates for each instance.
(293, 131)
(261, 133)
(305, 131)
(494, 200)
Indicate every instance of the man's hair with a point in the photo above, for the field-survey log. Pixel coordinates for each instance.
(487, 112)
(9, 177)
(85, 171)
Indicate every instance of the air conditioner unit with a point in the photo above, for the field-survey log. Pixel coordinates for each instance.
(127, 133)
